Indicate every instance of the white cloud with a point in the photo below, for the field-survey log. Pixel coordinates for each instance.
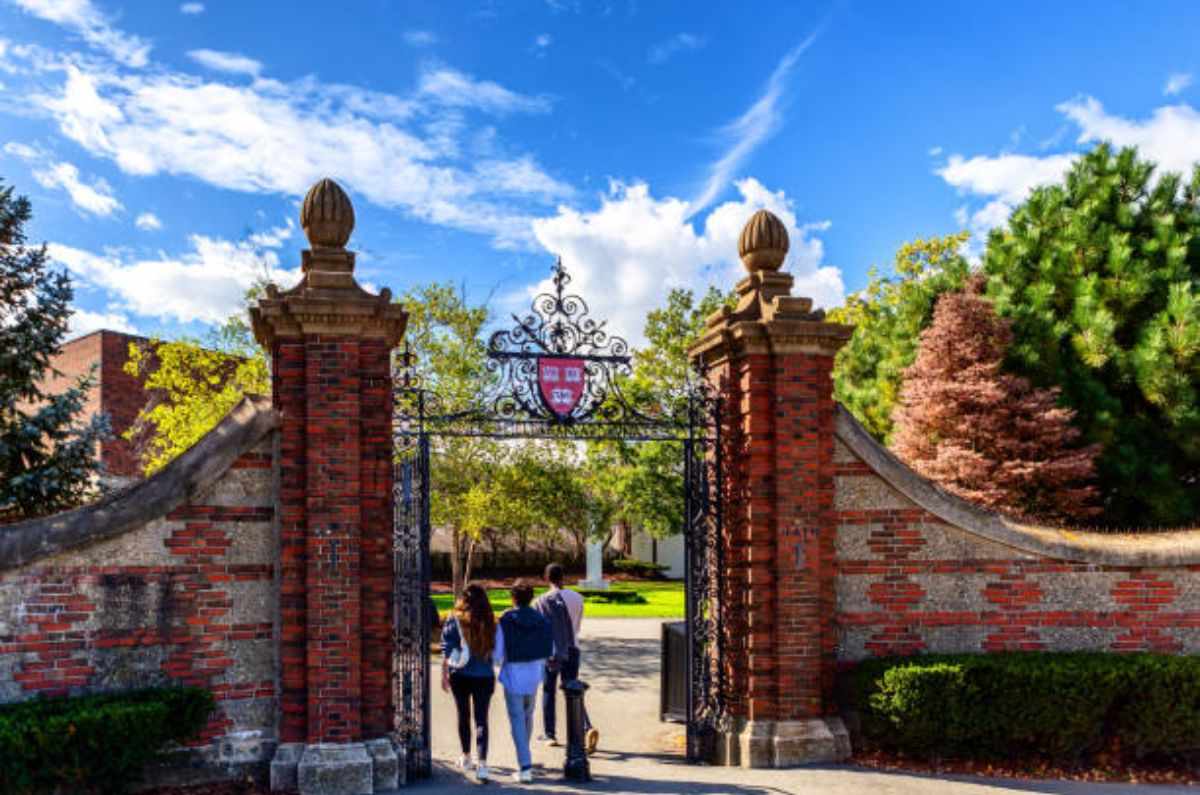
(205, 284)
(270, 136)
(1176, 83)
(754, 126)
(420, 38)
(86, 20)
(84, 321)
(192, 8)
(541, 43)
(1007, 176)
(665, 50)
(625, 255)
(457, 90)
(148, 222)
(95, 198)
(934, 151)
(20, 150)
(230, 62)
(1170, 137)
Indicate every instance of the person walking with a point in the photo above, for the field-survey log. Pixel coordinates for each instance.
(523, 644)
(468, 643)
(563, 608)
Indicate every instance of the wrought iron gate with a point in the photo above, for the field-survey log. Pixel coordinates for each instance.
(556, 374)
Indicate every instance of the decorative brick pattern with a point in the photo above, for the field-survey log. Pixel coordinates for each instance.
(908, 582)
(186, 598)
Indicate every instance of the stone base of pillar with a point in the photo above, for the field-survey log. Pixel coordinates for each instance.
(338, 768)
(769, 744)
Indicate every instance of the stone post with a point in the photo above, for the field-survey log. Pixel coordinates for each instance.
(771, 358)
(330, 344)
(595, 567)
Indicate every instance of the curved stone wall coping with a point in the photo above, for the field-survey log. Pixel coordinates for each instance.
(187, 476)
(1174, 548)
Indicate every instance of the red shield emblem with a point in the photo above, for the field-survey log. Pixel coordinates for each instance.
(561, 384)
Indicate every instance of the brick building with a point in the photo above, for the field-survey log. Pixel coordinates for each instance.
(115, 392)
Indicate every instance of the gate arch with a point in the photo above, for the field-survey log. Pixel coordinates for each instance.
(556, 373)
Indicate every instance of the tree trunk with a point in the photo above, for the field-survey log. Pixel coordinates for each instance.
(470, 562)
(456, 567)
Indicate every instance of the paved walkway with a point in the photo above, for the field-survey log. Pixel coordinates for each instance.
(638, 754)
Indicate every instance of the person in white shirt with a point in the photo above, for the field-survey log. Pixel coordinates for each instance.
(523, 643)
(564, 609)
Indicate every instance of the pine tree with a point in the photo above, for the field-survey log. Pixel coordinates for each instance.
(1100, 277)
(987, 436)
(48, 458)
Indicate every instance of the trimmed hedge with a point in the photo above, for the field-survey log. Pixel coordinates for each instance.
(98, 743)
(639, 568)
(1061, 705)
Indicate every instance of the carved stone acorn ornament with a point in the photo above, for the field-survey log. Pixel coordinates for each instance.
(327, 215)
(763, 244)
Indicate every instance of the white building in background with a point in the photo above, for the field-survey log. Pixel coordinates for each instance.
(663, 551)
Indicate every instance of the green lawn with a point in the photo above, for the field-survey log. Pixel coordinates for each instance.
(662, 600)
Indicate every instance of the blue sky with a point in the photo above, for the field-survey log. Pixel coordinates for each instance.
(165, 145)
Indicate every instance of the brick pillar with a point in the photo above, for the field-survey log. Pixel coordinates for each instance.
(330, 344)
(771, 359)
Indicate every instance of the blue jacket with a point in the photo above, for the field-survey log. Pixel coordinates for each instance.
(527, 635)
(452, 641)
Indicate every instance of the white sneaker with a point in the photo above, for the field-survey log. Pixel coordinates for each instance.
(481, 772)
(464, 762)
(526, 776)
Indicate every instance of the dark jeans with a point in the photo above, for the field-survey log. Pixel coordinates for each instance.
(477, 689)
(569, 670)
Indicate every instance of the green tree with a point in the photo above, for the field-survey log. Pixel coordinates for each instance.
(888, 316)
(1100, 277)
(48, 456)
(445, 341)
(643, 481)
(193, 383)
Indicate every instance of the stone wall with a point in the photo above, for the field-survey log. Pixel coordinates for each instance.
(919, 570)
(170, 581)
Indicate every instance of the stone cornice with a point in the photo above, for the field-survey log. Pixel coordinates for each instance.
(1177, 548)
(327, 302)
(768, 319)
(187, 476)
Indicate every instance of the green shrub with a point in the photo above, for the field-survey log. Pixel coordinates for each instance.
(97, 743)
(639, 568)
(1064, 706)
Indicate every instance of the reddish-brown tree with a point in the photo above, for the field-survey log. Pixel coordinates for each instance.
(986, 435)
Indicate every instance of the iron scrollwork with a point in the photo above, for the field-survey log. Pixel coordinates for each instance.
(513, 401)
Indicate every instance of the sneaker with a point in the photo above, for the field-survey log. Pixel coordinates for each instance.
(525, 776)
(464, 762)
(591, 741)
(548, 739)
(481, 772)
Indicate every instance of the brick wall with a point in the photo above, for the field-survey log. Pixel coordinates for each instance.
(116, 393)
(921, 571)
(183, 595)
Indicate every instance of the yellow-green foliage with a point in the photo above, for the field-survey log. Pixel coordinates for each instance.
(193, 386)
(888, 316)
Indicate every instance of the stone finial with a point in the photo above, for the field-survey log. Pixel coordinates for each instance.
(327, 215)
(763, 244)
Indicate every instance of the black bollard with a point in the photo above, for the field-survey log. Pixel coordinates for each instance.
(576, 767)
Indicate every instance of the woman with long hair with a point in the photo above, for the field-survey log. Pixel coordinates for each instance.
(468, 640)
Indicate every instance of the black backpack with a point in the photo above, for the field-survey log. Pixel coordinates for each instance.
(554, 608)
